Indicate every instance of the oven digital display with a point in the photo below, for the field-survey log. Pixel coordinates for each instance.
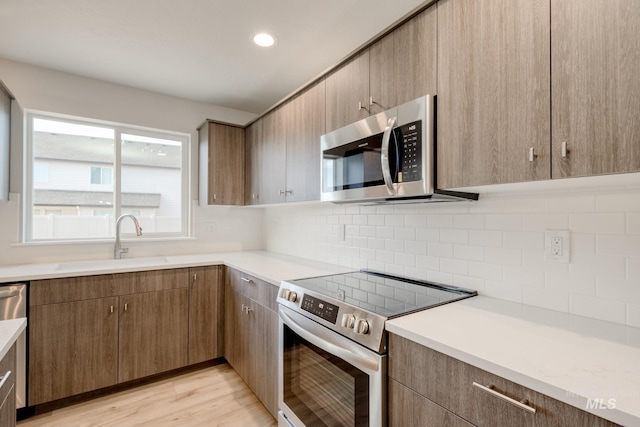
(322, 309)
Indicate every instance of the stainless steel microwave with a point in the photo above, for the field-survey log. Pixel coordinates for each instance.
(388, 157)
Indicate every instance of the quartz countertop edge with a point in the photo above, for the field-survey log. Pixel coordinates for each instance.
(10, 330)
(570, 358)
(263, 265)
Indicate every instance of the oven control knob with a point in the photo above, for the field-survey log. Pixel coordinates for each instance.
(361, 327)
(292, 296)
(284, 293)
(348, 320)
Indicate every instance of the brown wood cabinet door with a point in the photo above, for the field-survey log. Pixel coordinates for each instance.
(493, 91)
(153, 333)
(595, 86)
(264, 352)
(253, 162)
(221, 152)
(416, 50)
(409, 409)
(346, 89)
(236, 332)
(274, 151)
(305, 126)
(383, 84)
(73, 348)
(205, 314)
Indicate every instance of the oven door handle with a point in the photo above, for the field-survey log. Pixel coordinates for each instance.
(384, 155)
(329, 341)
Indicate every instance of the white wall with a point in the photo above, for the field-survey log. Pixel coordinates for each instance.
(495, 245)
(47, 90)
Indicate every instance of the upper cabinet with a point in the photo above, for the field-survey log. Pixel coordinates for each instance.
(283, 151)
(5, 136)
(221, 154)
(595, 87)
(305, 126)
(348, 93)
(273, 151)
(493, 105)
(402, 65)
(253, 162)
(398, 68)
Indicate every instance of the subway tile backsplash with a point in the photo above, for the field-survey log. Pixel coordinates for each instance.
(495, 246)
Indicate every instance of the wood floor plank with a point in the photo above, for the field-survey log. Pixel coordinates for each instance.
(214, 396)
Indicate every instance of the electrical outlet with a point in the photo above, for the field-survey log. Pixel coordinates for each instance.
(557, 245)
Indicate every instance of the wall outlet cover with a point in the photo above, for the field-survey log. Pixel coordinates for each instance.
(557, 245)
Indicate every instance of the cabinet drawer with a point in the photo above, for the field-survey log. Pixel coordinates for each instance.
(54, 291)
(409, 409)
(8, 367)
(450, 383)
(262, 292)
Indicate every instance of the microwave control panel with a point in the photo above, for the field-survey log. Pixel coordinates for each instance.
(410, 147)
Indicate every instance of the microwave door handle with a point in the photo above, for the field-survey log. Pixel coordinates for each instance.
(384, 155)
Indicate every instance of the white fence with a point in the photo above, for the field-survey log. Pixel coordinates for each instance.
(82, 227)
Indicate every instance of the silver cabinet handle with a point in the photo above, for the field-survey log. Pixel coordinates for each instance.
(507, 399)
(285, 192)
(195, 276)
(384, 155)
(564, 149)
(244, 279)
(4, 378)
(532, 154)
(111, 310)
(126, 306)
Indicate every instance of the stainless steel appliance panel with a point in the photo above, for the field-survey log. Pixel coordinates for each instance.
(326, 379)
(13, 305)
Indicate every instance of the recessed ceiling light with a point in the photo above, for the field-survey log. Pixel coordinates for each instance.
(264, 39)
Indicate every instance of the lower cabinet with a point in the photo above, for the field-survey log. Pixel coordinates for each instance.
(427, 379)
(251, 334)
(410, 409)
(153, 333)
(73, 348)
(87, 333)
(206, 296)
(8, 388)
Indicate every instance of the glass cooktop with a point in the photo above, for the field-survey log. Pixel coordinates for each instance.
(388, 296)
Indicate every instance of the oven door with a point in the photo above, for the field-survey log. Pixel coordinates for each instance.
(326, 379)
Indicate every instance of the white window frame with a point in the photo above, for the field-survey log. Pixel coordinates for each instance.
(119, 129)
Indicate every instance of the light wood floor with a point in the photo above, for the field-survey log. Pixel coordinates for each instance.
(214, 396)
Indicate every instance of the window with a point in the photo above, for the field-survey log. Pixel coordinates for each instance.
(83, 174)
(101, 175)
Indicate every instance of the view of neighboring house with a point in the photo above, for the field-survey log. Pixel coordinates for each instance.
(73, 184)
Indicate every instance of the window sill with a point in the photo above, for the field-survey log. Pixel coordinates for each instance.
(111, 241)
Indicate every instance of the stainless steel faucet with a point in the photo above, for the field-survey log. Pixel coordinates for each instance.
(118, 251)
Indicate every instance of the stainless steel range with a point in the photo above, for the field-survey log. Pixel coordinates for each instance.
(333, 343)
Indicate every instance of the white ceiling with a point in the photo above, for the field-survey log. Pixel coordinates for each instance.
(195, 49)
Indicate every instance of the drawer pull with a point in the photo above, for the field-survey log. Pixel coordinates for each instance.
(4, 378)
(507, 399)
(244, 279)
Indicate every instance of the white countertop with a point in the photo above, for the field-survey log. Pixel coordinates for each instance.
(270, 267)
(570, 358)
(10, 330)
